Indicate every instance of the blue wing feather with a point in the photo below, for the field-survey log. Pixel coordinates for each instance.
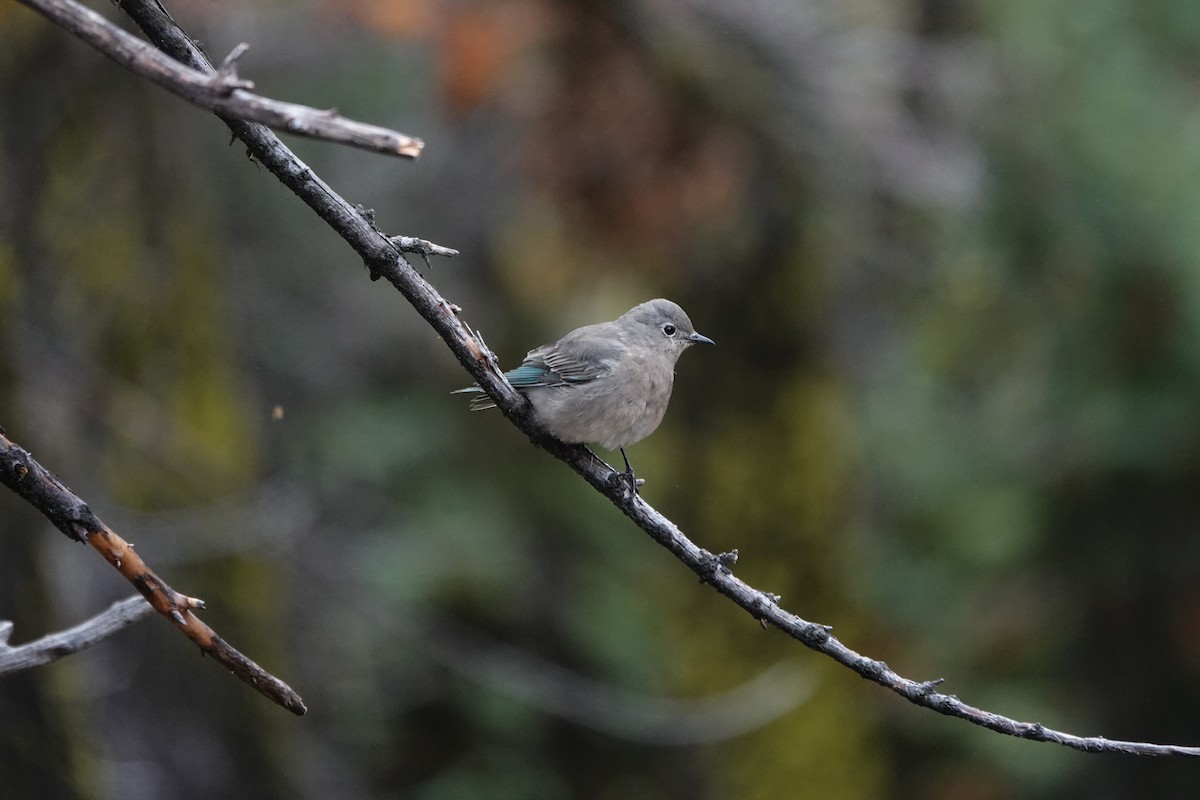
(531, 375)
(576, 358)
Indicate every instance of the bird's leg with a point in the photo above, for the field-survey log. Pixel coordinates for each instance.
(634, 481)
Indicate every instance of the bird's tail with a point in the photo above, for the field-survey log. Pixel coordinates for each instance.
(480, 403)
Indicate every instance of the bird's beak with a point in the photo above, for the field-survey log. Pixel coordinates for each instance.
(699, 338)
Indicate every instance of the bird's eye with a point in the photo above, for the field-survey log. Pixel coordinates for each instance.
(669, 329)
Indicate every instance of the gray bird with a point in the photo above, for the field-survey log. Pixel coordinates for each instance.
(608, 383)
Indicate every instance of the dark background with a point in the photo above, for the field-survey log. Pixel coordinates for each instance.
(948, 252)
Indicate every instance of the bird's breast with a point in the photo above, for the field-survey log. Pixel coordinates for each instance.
(616, 410)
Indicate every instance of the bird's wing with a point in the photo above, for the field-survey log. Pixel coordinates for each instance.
(545, 367)
(580, 356)
(573, 359)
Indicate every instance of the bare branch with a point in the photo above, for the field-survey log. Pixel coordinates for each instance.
(220, 90)
(383, 259)
(381, 255)
(45, 492)
(53, 646)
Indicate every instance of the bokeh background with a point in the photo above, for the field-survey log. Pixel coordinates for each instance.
(948, 250)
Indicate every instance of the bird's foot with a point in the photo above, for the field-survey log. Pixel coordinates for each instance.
(633, 480)
(627, 478)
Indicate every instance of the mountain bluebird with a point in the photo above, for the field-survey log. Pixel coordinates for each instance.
(607, 383)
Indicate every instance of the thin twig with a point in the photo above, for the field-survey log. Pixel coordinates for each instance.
(20, 472)
(410, 244)
(53, 646)
(220, 90)
(382, 259)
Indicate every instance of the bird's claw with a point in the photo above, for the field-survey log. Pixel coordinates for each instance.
(633, 480)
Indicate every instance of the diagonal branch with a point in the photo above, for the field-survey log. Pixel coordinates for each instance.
(220, 91)
(383, 258)
(45, 492)
(53, 646)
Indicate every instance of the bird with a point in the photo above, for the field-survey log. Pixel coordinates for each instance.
(607, 384)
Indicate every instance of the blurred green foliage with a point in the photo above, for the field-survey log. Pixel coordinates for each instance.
(947, 252)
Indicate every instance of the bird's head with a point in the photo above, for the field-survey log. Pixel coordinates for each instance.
(662, 323)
